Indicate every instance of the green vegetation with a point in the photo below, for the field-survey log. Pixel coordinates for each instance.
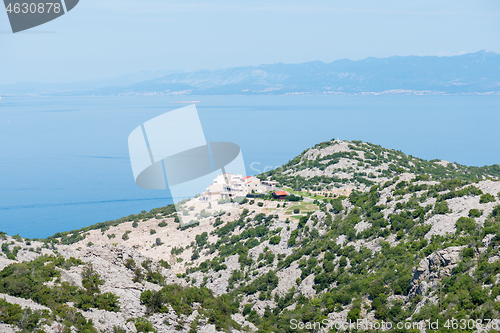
(475, 213)
(125, 235)
(143, 325)
(10, 254)
(359, 252)
(26, 319)
(485, 198)
(275, 240)
(367, 155)
(71, 237)
(28, 280)
(216, 309)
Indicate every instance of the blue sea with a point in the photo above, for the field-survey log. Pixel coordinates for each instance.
(64, 161)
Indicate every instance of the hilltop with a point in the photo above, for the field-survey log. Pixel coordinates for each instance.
(370, 233)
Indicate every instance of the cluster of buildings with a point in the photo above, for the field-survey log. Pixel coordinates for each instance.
(228, 186)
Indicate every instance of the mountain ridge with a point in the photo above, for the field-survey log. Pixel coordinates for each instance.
(471, 73)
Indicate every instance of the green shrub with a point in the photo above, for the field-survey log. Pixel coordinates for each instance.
(328, 266)
(475, 213)
(247, 309)
(293, 197)
(468, 252)
(8, 253)
(28, 280)
(26, 319)
(353, 314)
(296, 210)
(165, 264)
(260, 204)
(125, 235)
(400, 234)
(466, 224)
(441, 207)
(195, 255)
(201, 240)
(275, 240)
(152, 231)
(485, 198)
(496, 211)
(176, 250)
(129, 263)
(143, 325)
(336, 205)
(217, 309)
(162, 224)
(108, 302)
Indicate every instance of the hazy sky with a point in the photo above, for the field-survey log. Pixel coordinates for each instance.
(107, 38)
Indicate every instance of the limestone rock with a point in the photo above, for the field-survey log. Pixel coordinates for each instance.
(432, 268)
(306, 287)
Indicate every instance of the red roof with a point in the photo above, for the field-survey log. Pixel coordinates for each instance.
(280, 193)
(246, 177)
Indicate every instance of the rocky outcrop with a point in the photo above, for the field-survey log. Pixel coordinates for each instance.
(287, 279)
(432, 268)
(5, 328)
(306, 287)
(24, 303)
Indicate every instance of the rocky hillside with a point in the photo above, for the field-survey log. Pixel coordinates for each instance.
(369, 233)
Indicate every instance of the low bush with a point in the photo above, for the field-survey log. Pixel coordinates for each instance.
(475, 213)
(485, 198)
(275, 240)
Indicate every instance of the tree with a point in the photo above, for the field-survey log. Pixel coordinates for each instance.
(475, 213)
(441, 208)
(485, 198)
(353, 314)
(275, 240)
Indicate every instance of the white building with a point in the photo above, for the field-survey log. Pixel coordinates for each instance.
(270, 183)
(227, 186)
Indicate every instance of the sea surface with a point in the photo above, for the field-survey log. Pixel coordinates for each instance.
(64, 161)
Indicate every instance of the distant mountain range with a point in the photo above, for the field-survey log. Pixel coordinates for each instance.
(469, 73)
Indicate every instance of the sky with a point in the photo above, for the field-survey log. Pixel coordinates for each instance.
(107, 38)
